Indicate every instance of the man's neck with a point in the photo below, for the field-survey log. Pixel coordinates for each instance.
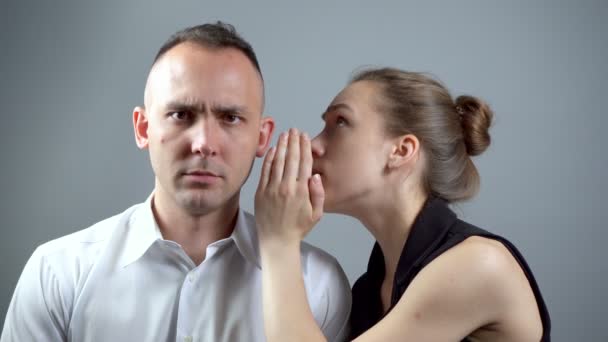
(194, 232)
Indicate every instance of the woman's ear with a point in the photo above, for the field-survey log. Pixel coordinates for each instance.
(405, 151)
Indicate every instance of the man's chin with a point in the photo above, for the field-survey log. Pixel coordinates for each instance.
(197, 203)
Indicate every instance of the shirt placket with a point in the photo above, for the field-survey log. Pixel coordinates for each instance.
(191, 287)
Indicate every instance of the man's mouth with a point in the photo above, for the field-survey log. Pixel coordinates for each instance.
(201, 176)
(201, 173)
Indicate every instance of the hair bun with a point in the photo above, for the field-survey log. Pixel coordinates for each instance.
(476, 119)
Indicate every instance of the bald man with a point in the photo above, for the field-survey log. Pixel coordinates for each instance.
(183, 265)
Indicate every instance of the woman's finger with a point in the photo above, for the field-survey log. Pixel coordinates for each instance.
(266, 169)
(317, 196)
(292, 158)
(305, 170)
(278, 163)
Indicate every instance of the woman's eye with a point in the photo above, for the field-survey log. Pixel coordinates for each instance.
(340, 121)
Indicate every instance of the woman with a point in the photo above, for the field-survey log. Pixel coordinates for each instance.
(395, 151)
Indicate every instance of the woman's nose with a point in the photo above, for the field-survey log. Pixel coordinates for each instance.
(317, 146)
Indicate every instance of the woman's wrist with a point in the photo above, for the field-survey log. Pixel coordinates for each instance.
(277, 248)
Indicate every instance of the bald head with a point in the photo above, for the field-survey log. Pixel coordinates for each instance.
(213, 37)
(191, 74)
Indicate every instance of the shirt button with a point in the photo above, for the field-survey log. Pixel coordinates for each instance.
(188, 339)
(190, 279)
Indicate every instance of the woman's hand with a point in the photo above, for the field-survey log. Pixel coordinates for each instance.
(288, 201)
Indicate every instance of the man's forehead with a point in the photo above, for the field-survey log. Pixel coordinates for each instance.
(195, 98)
(188, 68)
(180, 61)
(173, 67)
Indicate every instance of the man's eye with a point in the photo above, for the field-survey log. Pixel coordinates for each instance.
(180, 116)
(231, 118)
(340, 121)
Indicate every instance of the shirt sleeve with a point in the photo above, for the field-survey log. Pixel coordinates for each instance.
(336, 326)
(38, 310)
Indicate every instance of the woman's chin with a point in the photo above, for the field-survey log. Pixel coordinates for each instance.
(337, 203)
(330, 206)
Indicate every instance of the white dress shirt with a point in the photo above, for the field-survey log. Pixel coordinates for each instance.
(119, 280)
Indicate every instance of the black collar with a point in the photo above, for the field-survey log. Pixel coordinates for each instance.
(429, 229)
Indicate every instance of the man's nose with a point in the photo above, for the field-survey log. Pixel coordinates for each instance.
(204, 139)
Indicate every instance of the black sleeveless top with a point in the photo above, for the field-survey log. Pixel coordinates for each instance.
(435, 230)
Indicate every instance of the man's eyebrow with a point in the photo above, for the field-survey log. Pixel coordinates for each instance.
(336, 107)
(181, 106)
(186, 107)
(232, 109)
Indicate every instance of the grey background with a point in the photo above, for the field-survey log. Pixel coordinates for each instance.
(72, 72)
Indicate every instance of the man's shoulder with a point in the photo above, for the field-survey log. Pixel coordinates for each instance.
(312, 256)
(327, 289)
(316, 256)
(82, 245)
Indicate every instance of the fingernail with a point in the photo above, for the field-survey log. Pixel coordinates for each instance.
(305, 135)
(316, 178)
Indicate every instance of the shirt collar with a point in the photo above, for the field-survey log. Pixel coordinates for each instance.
(246, 238)
(143, 230)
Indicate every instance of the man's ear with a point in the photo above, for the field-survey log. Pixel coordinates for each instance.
(266, 130)
(140, 126)
(406, 150)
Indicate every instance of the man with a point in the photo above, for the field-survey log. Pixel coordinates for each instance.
(184, 265)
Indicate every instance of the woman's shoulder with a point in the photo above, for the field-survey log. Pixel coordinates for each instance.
(478, 271)
(466, 287)
(481, 257)
(478, 258)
